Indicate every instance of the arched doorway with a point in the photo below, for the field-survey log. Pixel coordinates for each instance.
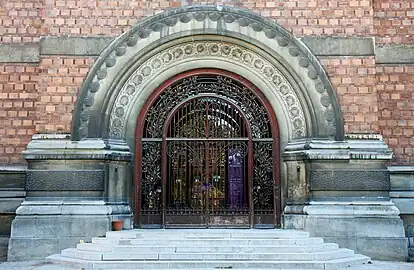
(207, 154)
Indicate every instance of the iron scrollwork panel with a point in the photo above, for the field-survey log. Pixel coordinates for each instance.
(263, 198)
(221, 86)
(151, 185)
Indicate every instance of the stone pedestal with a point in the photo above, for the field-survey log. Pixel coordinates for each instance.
(402, 194)
(11, 196)
(344, 195)
(57, 224)
(74, 189)
(372, 228)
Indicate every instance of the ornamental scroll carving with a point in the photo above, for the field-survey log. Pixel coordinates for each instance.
(193, 50)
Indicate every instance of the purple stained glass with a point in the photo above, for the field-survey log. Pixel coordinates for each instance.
(235, 179)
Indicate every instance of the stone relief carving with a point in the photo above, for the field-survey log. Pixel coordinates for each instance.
(169, 57)
(223, 19)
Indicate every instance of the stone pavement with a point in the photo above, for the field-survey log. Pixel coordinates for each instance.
(41, 265)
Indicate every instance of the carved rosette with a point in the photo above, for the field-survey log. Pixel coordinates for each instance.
(205, 19)
(218, 50)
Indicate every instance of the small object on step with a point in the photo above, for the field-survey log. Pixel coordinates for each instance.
(117, 225)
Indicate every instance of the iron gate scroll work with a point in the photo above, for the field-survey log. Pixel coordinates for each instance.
(207, 154)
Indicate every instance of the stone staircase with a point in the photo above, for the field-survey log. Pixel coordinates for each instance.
(208, 249)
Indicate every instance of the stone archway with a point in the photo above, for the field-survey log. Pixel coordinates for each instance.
(132, 66)
(207, 154)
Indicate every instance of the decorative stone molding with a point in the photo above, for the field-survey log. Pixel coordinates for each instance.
(200, 50)
(60, 147)
(225, 21)
(367, 149)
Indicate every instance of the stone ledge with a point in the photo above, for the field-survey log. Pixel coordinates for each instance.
(71, 45)
(319, 149)
(11, 168)
(93, 46)
(394, 54)
(402, 194)
(340, 46)
(59, 147)
(13, 53)
(405, 205)
(401, 169)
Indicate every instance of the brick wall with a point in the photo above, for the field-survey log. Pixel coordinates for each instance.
(394, 24)
(59, 83)
(353, 78)
(368, 92)
(303, 17)
(21, 21)
(18, 96)
(394, 21)
(396, 108)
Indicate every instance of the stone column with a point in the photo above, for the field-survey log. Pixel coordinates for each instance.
(347, 198)
(74, 189)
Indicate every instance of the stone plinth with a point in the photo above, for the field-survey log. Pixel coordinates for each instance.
(372, 228)
(44, 227)
(344, 194)
(74, 189)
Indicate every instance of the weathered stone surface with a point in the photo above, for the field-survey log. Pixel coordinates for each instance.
(402, 194)
(350, 149)
(340, 46)
(23, 249)
(93, 46)
(11, 177)
(402, 178)
(4, 242)
(8, 205)
(394, 54)
(385, 249)
(62, 148)
(59, 224)
(286, 249)
(349, 179)
(17, 53)
(357, 224)
(405, 205)
(5, 224)
(70, 45)
(52, 180)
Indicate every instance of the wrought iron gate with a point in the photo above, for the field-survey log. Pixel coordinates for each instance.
(208, 155)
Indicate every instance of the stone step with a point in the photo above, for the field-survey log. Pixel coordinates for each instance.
(207, 233)
(207, 241)
(155, 255)
(332, 264)
(208, 249)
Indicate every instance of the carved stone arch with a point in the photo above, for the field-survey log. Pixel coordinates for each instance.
(140, 51)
